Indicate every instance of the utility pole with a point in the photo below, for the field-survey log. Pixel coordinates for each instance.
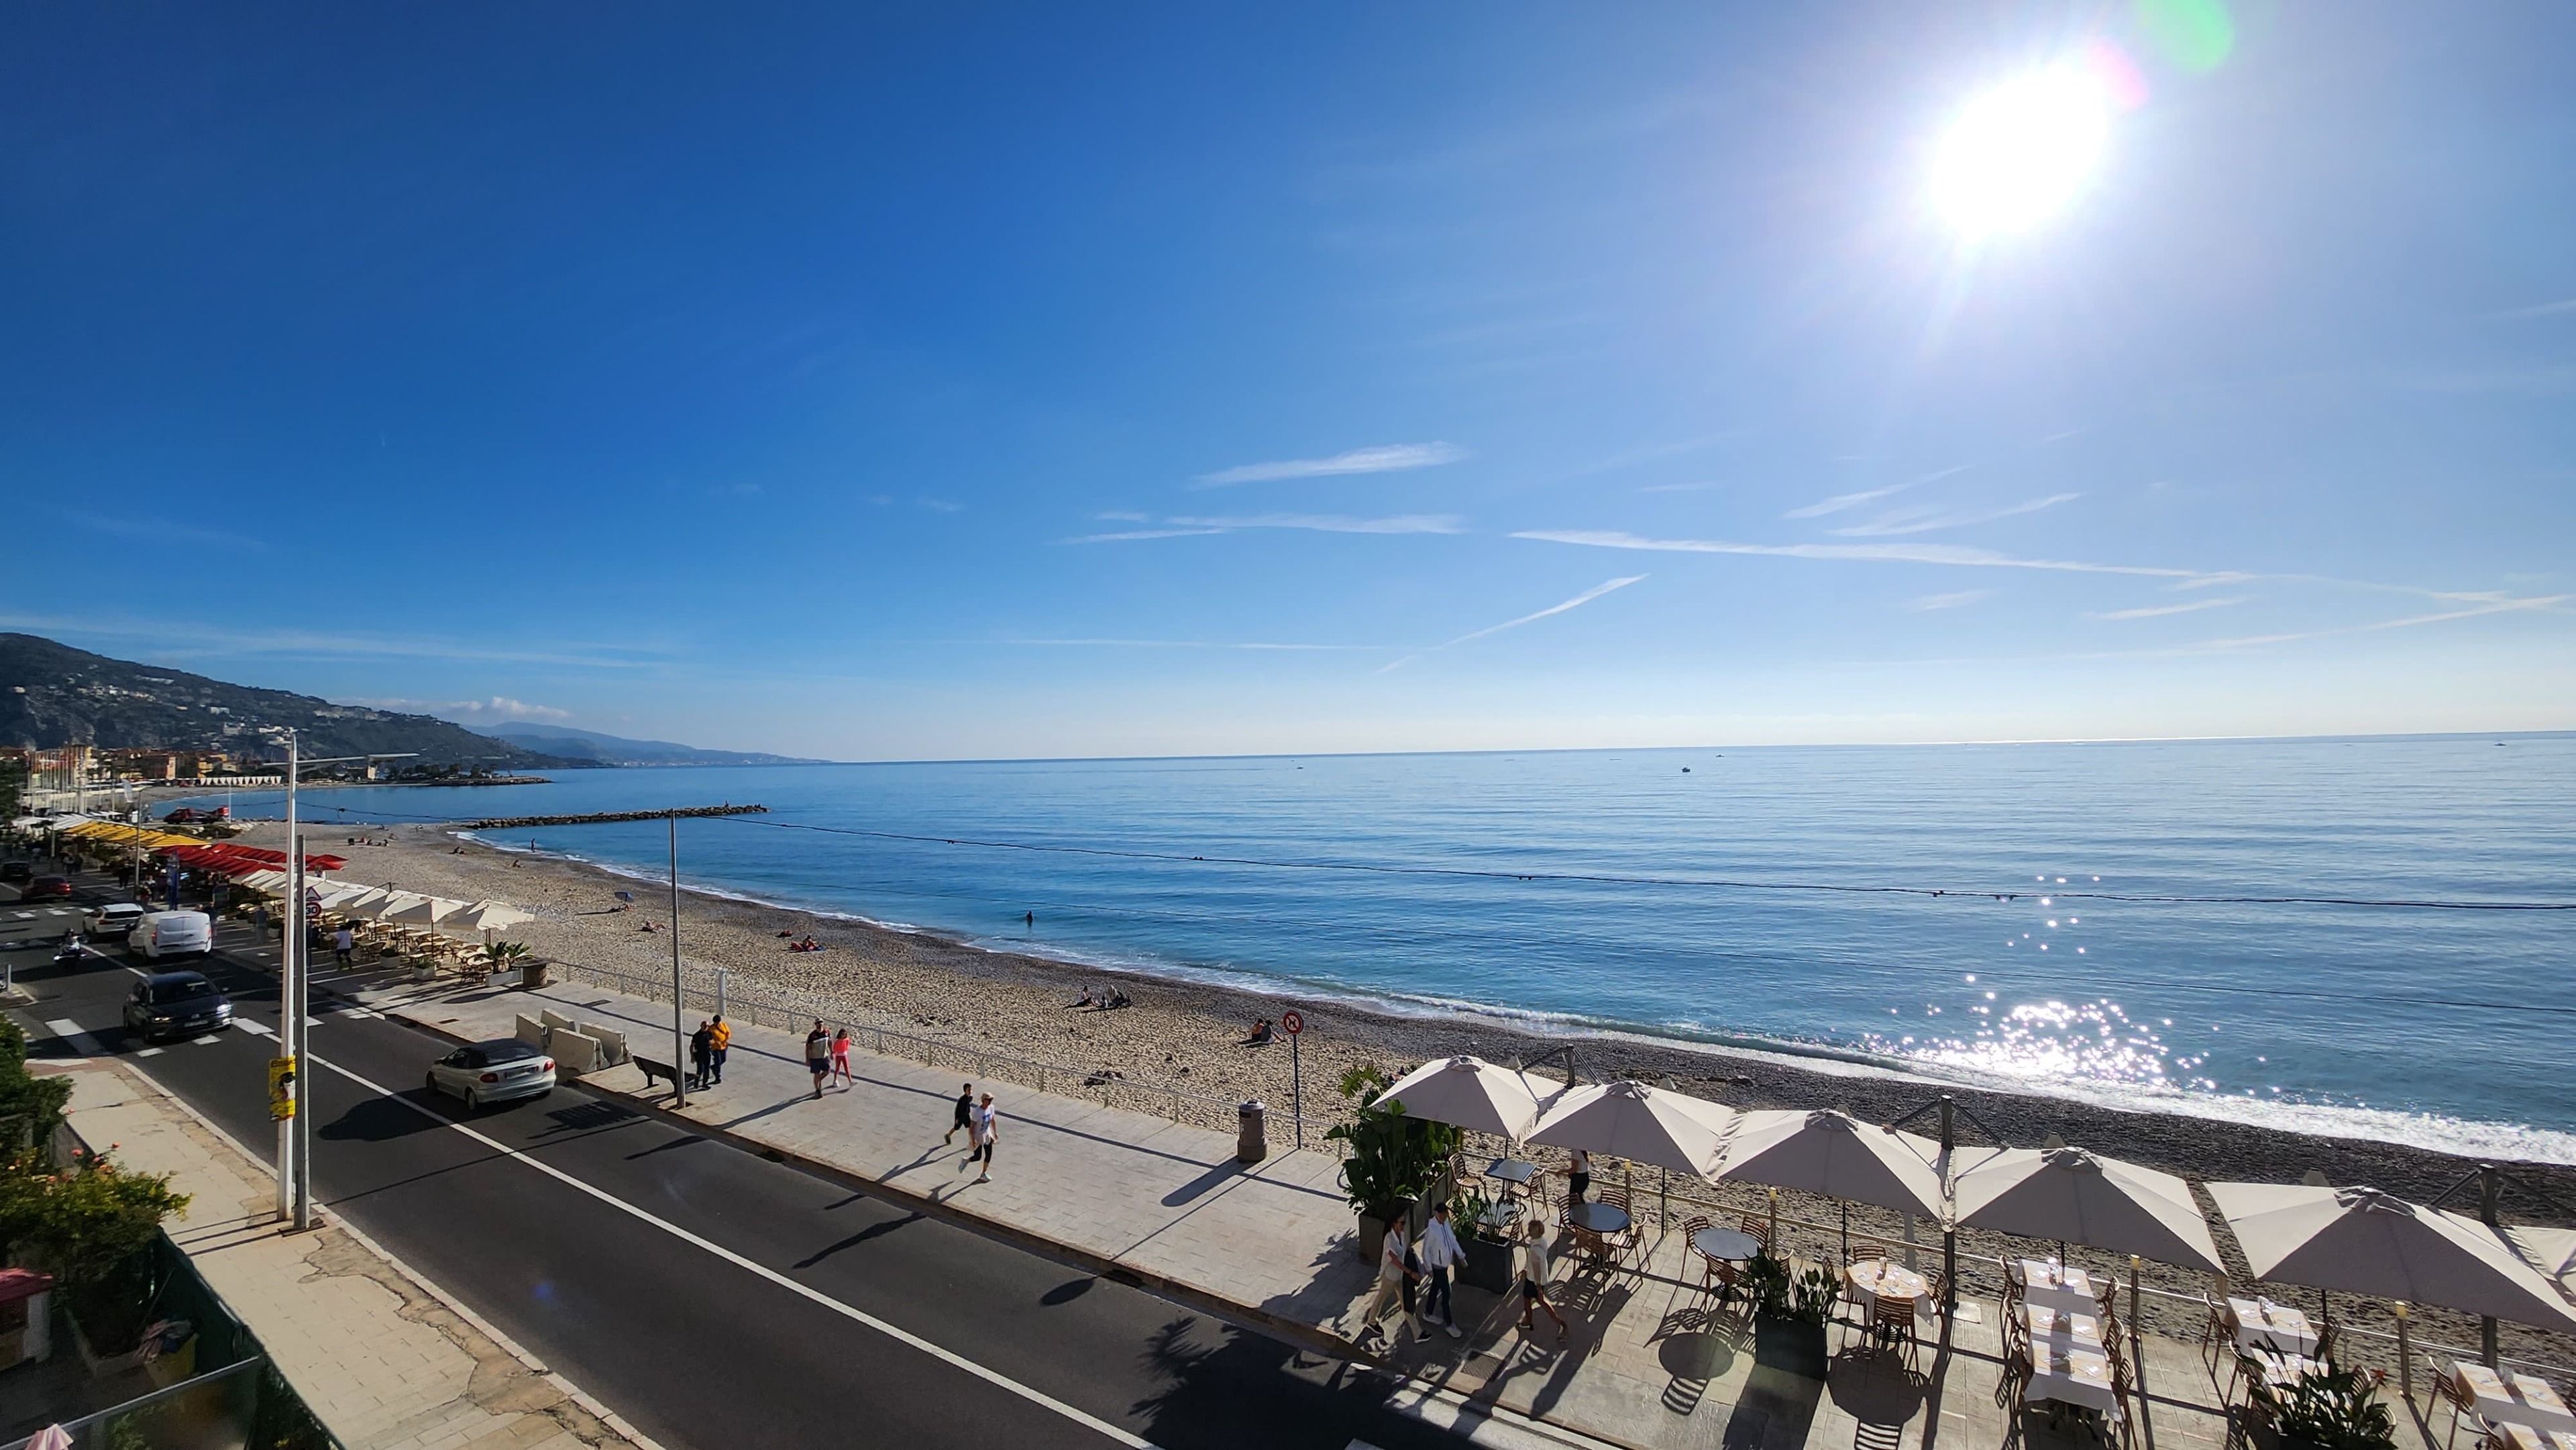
(679, 1040)
(290, 1013)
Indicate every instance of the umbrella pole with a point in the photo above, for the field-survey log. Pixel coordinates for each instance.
(1664, 1212)
(1846, 1231)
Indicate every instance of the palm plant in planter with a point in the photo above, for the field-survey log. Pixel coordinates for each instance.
(1790, 1309)
(501, 956)
(1391, 1159)
(1489, 1251)
(2331, 1408)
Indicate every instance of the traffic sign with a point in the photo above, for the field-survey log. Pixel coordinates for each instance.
(281, 1088)
(1292, 1023)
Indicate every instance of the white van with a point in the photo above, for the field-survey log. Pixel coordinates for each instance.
(173, 934)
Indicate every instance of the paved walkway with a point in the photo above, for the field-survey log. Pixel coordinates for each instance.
(383, 1362)
(1651, 1360)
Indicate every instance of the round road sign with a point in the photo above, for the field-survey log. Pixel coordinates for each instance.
(1293, 1023)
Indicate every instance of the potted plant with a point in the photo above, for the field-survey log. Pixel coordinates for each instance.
(1790, 1309)
(1489, 1250)
(500, 956)
(2331, 1408)
(1391, 1157)
(92, 1226)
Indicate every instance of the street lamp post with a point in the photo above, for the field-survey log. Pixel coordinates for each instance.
(679, 1042)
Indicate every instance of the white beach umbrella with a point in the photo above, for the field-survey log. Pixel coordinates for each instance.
(1469, 1092)
(2074, 1196)
(1642, 1124)
(266, 883)
(2550, 1250)
(424, 911)
(497, 916)
(2363, 1241)
(380, 905)
(1833, 1154)
(334, 894)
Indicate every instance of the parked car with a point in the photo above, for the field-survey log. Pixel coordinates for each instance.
(16, 873)
(176, 1004)
(115, 920)
(44, 886)
(493, 1072)
(159, 934)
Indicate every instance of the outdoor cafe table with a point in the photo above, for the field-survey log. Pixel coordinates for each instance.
(1511, 1171)
(2062, 1330)
(1732, 1245)
(1598, 1218)
(2262, 1324)
(1874, 1279)
(2516, 1400)
(2053, 1286)
(2523, 1437)
(2070, 1377)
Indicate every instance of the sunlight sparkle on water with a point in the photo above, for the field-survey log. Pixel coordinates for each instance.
(2039, 1040)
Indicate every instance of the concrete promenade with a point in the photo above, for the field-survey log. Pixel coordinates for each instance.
(382, 1360)
(1651, 1361)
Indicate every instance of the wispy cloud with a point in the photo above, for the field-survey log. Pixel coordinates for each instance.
(1121, 517)
(1577, 602)
(1925, 518)
(1187, 527)
(1192, 644)
(1126, 535)
(162, 529)
(499, 707)
(2500, 606)
(939, 505)
(1959, 600)
(1949, 554)
(2161, 610)
(2559, 308)
(1387, 458)
(1333, 523)
(1842, 501)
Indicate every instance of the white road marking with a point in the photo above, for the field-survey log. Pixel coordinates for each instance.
(70, 1031)
(151, 1051)
(861, 1316)
(255, 1029)
(209, 1040)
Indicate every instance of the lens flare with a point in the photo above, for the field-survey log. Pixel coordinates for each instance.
(2019, 153)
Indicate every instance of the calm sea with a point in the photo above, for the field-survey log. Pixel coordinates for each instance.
(1579, 888)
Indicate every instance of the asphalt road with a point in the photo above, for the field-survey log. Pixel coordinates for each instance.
(709, 1295)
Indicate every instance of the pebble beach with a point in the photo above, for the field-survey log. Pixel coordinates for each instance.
(1185, 1034)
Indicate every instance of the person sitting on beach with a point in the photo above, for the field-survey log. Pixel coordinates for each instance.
(809, 944)
(1118, 998)
(1082, 1003)
(1258, 1037)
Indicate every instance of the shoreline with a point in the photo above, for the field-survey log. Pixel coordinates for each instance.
(877, 964)
(1185, 1033)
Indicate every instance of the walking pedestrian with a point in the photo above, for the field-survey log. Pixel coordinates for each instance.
(723, 1040)
(965, 1117)
(1393, 1274)
(1578, 1177)
(818, 1055)
(985, 1128)
(343, 942)
(1534, 1272)
(702, 1051)
(841, 1059)
(1441, 1254)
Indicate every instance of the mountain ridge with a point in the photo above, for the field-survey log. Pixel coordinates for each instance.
(606, 749)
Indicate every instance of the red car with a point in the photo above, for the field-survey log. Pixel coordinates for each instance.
(46, 886)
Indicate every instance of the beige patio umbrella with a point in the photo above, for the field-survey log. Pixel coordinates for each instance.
(2550, 1250)
(379, 905)
(1639, 1123)
(1469, 1092)
(335, 894)
(2363, 1241)
(1836, 1155)
(2073, 1196)
(266, 883)
(424, 911)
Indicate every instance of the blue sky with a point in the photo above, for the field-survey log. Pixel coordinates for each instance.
(1032, 380)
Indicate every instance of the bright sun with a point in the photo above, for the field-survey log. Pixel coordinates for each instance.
(2021, 151)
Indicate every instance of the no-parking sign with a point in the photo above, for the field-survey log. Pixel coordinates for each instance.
(1291, 1023)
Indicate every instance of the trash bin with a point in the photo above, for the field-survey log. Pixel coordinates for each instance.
(1251, 1143)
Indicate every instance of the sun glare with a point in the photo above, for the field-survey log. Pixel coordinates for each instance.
(2020, 152)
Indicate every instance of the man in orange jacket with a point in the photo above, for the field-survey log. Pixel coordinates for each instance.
(722, 1033)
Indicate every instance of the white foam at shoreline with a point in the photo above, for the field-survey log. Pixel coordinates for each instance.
(2435, 1132)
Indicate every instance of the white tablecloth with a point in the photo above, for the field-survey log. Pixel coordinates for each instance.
(2052, 1287)
(2262, 1324)
(2518, 1400)
(2070, 1377)
(2523, 1437)
(1872, 1277)
(2058, 1328)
